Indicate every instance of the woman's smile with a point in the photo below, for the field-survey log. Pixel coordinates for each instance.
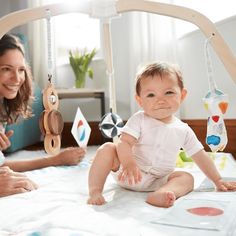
(13, 88)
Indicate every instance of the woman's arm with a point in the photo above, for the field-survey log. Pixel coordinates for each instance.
(69, 156)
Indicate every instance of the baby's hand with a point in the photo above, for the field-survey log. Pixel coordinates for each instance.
(69, 156)
(225, 186)
(131, 173)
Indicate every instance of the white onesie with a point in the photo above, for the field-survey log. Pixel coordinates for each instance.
(158, 145)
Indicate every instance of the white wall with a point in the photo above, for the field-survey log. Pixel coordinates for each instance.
(191, 52)
(192, 62)
(9, 6)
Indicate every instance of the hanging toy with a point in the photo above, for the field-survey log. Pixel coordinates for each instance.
(81, 129)
(111, 123)
(216, 103)
(51, 122)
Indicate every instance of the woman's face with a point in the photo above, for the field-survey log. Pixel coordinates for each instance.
(12, 73)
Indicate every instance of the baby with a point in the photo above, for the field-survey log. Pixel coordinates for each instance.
(144, 157)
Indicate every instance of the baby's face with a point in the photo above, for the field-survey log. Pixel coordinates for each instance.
(160, 97)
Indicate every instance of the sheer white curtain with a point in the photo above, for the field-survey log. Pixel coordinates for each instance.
(37, 31)
(152, 38)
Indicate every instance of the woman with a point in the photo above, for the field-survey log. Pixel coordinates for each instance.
(15, 100)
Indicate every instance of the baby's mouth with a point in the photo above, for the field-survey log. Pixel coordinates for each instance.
(161, 108)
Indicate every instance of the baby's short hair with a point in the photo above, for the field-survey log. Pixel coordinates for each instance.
(158, 68)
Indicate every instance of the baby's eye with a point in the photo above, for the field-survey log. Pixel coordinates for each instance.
(150, 95)
(169, 92)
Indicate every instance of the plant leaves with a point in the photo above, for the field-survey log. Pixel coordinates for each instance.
(80, 61)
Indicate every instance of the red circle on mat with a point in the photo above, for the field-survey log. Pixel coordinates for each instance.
(206, 211)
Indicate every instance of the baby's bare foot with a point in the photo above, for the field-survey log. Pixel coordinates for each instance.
(161, 199)
(96, 199)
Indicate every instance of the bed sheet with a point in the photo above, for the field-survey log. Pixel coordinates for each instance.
(59, 206)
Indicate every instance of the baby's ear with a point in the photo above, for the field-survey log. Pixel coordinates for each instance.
(183, 94)
(138, 100)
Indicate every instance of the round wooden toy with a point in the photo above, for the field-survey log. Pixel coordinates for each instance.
(51, 123)
(50, 98)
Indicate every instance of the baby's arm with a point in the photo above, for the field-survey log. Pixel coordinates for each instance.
(130, 170)
(206, 164)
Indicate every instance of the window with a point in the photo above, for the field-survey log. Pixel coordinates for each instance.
(73, 31)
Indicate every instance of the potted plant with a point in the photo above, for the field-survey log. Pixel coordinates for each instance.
(80, 61)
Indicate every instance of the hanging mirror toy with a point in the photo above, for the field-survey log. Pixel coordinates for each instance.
(51, 122)
(216, 103)
(111, 124)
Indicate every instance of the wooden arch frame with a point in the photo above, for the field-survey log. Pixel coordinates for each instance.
(208, 28)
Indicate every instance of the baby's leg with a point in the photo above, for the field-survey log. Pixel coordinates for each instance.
(105, 160)
(179, 183)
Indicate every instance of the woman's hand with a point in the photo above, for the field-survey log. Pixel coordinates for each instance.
(4, 139)
(69, 156)
(12, 182)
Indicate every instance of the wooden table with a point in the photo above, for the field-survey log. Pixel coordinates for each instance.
(83, 93)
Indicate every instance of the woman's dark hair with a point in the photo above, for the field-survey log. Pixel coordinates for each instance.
(12, 109)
